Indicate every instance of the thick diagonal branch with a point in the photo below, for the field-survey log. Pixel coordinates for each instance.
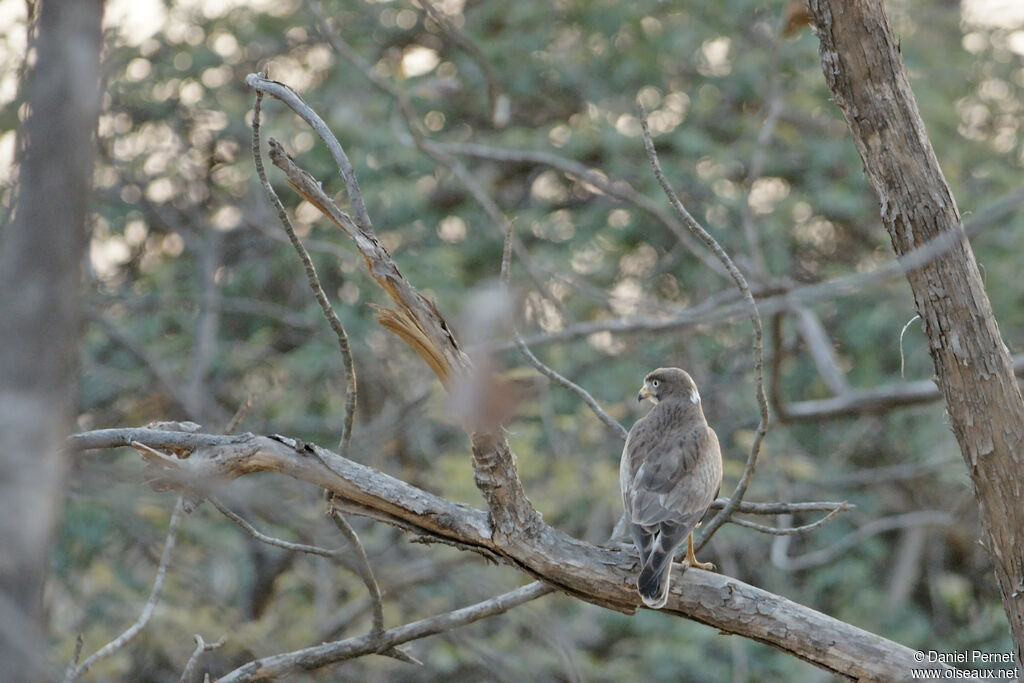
(600, 575)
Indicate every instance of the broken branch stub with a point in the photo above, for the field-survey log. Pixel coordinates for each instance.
(415, 320)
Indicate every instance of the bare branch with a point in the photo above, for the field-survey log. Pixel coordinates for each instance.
(416, 320)
(201, 647)
(878, 399)
(787, 531)
(749, 508)
(362, 565)
(236, 419)
(270, 540)
(412, 575)
(784, 296)
(260, 83)
(873, 528)
(432, 149)
(821, 348)
(311, 277)
(602, 576)
(331, 653)
(76, 655)
(758, 351)
(154, 456)
(561, 381)
(147, 610)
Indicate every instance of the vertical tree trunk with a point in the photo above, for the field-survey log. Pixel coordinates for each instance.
(862, 64)
(40, 286)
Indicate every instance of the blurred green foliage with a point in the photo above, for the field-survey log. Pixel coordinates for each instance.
(185, 245)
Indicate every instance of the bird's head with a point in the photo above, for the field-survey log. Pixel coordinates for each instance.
(665, 383)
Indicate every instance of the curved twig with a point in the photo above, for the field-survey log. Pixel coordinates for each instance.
(311, 276)
(758, 351)
(270, 540)
(362, 564)
(787, 531)
(873, 528)
(260, 83)
(147, 611)
(339, 651)
(561, 381)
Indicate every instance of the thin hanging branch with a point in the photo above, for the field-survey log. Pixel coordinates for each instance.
(270, 540)
(562, 381)
(787, 530)
(755, 318)
(366, 574)
(362, 564)
(311, 277)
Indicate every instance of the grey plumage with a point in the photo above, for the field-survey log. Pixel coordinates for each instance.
(671, 471)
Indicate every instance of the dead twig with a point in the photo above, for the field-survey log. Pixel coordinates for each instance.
(270, 540)
(362, 564)
(147, 611)
(201, 647)
(819, 557)
(339, 651)
(548, 372)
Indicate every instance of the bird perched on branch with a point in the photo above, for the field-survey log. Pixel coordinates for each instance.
(670, 473)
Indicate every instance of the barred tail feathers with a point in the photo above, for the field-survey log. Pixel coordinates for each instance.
(656, 575)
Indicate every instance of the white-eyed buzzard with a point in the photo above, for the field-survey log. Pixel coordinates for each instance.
(670, 473)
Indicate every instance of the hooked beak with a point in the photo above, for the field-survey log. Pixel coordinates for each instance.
(644, 393)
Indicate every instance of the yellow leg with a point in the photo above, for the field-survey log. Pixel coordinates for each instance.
(692, 560)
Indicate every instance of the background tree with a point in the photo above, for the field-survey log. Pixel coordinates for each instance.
(41, 258)
(197, 306)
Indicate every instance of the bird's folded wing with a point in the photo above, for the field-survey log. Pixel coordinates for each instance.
(672, 478)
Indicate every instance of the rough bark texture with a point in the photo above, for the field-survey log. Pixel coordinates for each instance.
(861, 61)
(604, 576)
(40, 285)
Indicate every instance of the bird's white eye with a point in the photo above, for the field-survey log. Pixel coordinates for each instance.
(655, 383)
